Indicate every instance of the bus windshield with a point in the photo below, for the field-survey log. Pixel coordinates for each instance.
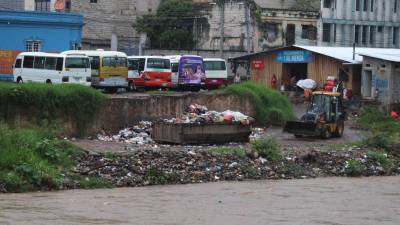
(77, 63)
(215, 65)
(133, 64)
(158, 63)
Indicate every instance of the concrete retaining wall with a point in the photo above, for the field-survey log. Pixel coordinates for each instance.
(121, 111)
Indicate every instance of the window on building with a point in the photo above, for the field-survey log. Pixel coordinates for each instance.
(334, 33)
(357, 34)
(365, 5)
(364, 35)
(372, 30)
(372, 5)
(42, 5)
(67, 5)
(308, 32)
(396, 4)
(326, 32)
(358, 5)
(327, 3)
(395, 36)
(380, 29)
(93, 1)
(290, 34)
(33, 46)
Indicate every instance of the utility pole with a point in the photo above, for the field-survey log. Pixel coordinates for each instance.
(247, 18)
(195, 35)
(222, 27)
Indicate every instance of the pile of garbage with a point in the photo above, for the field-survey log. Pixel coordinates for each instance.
(152, 166)
(139, 134)
(199, 114)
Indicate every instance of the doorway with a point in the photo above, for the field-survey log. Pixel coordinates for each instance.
(367, 84)
(299, 70)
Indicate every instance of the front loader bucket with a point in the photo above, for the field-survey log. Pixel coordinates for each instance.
(301, 128)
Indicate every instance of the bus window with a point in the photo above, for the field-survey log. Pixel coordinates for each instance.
(158, 63)
(50, 63)
(76, 63)
(121, 62)
(28, 61)
(174, 67)
(60, 63)
(215, 65)
(17, 63)
(106, 61)
(39, 62)
(95, 62)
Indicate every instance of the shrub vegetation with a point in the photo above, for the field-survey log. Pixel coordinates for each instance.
(267, 148)
(33, 160)
(47, 102)
(270, 105)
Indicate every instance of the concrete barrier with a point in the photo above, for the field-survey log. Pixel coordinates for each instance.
(126, 110)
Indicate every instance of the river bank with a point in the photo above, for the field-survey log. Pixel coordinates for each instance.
(158, 166)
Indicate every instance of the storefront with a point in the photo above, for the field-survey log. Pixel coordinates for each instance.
(36, 31)
(294, 63)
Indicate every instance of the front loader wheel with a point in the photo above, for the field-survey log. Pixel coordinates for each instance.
(339, 128)
(326, 133)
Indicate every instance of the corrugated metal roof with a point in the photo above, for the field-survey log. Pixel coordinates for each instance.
(393, 57)
(344, 54)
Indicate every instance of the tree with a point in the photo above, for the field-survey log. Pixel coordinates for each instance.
(171, 27)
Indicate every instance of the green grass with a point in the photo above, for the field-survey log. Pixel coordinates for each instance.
(354, 168)
(267, 148)
(48, 102)
(228, 151)
(33, 160)
(270, 105)
(381, 158)
(384, 130)
(376, 121)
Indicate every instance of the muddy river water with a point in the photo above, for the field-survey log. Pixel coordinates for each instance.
(316, 201)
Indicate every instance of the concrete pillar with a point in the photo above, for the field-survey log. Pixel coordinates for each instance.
(114, 42)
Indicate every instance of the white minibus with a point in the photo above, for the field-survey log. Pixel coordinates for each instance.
(216, 72)
(51, 68)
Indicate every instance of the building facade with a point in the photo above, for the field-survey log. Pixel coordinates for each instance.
(381, 79)
(111, 24)
(34, 5)
(368, 23)
(36, 31)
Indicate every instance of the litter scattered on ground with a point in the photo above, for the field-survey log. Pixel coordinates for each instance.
(257, 133)
(139, 134)
(200, 114)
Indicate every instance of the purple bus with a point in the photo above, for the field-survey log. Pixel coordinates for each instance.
(191, 72)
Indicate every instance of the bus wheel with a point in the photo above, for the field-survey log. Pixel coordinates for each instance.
(19, 80)
(48, 81)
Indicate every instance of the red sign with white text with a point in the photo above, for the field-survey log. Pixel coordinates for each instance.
(257, 64)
